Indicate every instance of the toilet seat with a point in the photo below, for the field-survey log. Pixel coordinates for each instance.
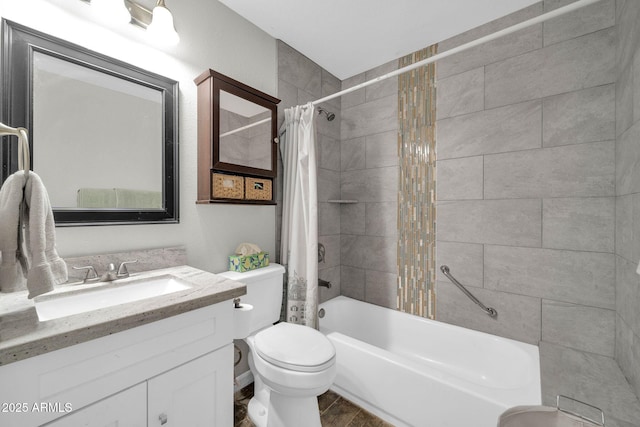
(295, 347)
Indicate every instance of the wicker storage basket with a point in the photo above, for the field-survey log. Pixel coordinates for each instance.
(227, 186)
(258, 188)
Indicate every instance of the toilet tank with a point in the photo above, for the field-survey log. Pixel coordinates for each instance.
(264, 293)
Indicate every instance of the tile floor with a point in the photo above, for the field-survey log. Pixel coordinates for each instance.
(335, 411)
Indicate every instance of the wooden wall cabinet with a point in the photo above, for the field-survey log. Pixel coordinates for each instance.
(237, 136)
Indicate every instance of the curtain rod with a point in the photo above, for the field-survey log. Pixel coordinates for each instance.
(249, 126)
(538, 19)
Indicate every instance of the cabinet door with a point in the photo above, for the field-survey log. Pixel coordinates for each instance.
(196, 394)
(127, 408)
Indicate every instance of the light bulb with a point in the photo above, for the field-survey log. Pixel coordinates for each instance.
(161, 28)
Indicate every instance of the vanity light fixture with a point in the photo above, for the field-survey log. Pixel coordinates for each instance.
(161, 28)
(112, 10)
(158, 22)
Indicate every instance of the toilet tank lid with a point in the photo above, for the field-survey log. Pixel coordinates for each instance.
(272, 269)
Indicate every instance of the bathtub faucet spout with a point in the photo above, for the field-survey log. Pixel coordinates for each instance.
(324, 284)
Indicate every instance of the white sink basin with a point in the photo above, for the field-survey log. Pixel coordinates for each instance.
(105, 295)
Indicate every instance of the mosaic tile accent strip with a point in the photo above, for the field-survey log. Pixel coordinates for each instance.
(417, 186)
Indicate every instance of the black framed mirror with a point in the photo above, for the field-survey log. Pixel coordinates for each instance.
(103, 134)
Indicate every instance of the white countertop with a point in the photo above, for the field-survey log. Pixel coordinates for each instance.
(23, 335)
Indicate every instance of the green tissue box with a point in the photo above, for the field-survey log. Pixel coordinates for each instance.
(242, 263)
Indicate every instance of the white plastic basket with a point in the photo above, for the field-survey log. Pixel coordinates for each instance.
(546, 416)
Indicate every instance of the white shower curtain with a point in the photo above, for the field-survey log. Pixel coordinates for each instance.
(299, 251)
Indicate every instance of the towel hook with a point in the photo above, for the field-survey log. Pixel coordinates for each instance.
(24, 155)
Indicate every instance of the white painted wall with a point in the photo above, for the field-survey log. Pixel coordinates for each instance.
(212, 36)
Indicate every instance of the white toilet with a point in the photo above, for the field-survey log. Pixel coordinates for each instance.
(291, 364)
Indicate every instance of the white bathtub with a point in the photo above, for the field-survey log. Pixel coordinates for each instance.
(412, 371)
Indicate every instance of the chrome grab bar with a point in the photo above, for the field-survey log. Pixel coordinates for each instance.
(492, 312)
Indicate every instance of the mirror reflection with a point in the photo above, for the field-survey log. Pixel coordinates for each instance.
(245, 132)
(106, 140)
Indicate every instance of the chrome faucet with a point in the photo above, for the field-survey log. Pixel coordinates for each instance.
(112, 274)
(122, 269)
(90, 271)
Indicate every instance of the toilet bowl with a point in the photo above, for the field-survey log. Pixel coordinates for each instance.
(295, 364)
(291, 364)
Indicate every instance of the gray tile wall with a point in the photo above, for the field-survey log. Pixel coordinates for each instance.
(301, 80)
(357, 159)
(589, 377)
(538, 189)
(538, 179)
(369, 156)
(526, 179)
(627, 219)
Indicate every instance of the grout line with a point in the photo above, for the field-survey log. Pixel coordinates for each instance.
(352, 419)
(327, 408)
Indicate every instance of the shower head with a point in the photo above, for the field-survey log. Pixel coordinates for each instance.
(330, 116)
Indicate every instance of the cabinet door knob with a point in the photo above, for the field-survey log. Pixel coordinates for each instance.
(163, 419)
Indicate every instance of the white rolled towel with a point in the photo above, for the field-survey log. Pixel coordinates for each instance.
(13, 263)
(46, 267)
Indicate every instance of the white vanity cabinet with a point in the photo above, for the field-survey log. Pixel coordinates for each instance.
(174, 372)
(127, 408)
(186, 395)
(183, 396)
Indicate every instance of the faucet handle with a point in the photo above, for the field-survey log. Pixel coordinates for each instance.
(89, 268)
(122, 269)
